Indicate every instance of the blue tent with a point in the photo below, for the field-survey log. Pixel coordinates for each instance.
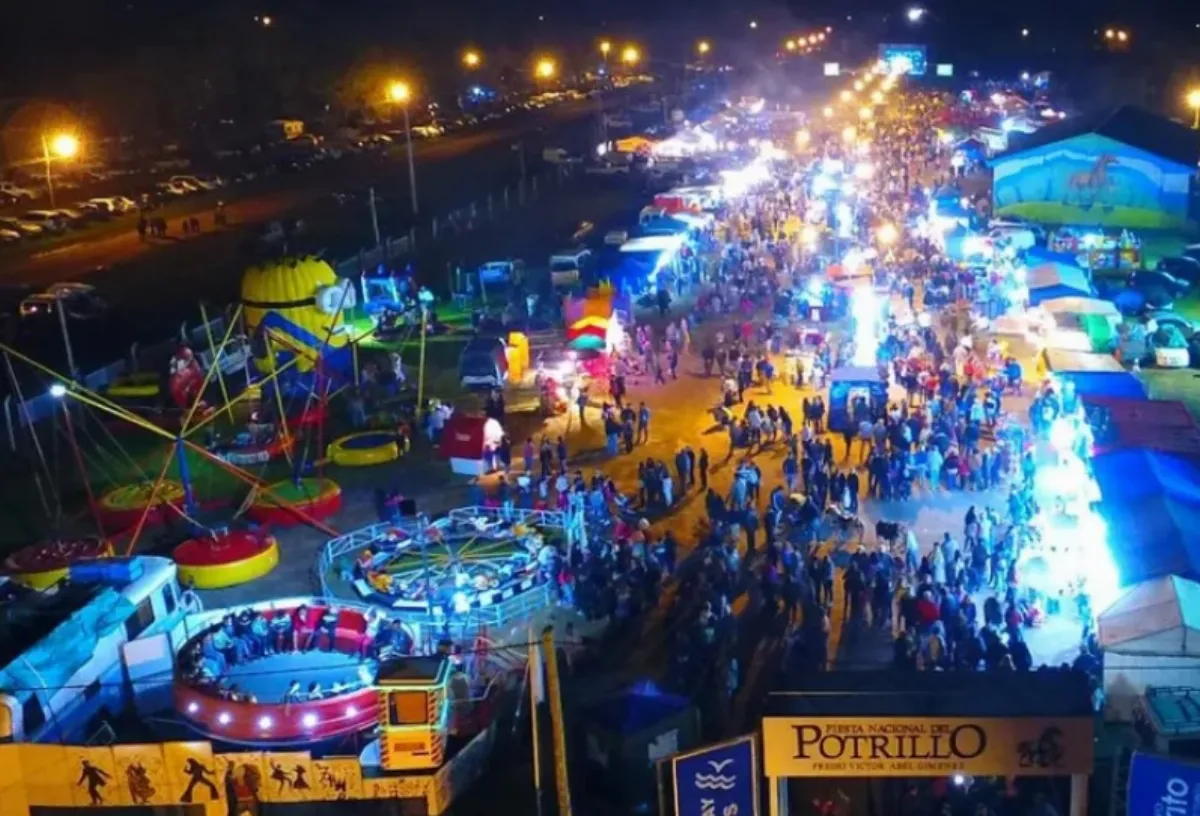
(1151, 505)
(1106, 384)
(1053, 279)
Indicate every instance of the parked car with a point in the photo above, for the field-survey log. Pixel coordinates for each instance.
(48, 220)
(80, 301)
(16, 191)
(8, 236)
(115, 205)
(1184, 268)
(172, 188)
(27, 228)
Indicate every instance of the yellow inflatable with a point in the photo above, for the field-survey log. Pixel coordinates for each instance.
(299, 303)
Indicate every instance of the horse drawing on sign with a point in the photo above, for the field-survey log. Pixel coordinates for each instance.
(1088, 186)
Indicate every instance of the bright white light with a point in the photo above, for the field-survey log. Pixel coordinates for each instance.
(265, 722)
(224, 718)
(946, 137)
(915, 14)
(193, 707)
(1062, 435)
(959, 780)
(822, 184)
(351, 711)
(844, 219)
(997, 99)
(864, 170)
(864, 305)
(1024, 76)
(1007, 125)
(833, 166)
(309, 720)
(58, 390)
(462, 604)
(848, 188)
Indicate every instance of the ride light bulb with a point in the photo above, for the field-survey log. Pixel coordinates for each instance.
(309, 720)
(351, 711)
(264, 722)
(193, 707)
(224, 718)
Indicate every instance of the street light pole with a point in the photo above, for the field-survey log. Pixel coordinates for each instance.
(49, 173)
(412, 172)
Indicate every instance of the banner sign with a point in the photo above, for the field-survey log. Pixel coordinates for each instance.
(901, 746)
(1158, 785)
(720, 780)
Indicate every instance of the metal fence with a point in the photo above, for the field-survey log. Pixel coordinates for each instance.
(472, 216)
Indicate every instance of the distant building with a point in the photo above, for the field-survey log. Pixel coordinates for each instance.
(1118, 168)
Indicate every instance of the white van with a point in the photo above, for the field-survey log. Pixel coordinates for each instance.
(566, 266)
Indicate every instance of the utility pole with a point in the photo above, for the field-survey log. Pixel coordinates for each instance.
(374, 215)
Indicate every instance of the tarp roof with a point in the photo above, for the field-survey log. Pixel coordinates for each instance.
(1054, 273)
(653, 243)
(1127, 124)
(1064, 361)
(1081, 305)
(1107, 384)
(1160, 617)
(1162, 425)
(1151, 505)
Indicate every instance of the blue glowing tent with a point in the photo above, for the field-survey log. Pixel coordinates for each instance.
(1123, 384)
(1151, 505)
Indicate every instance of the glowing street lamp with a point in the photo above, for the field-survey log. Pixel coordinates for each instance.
(703, 47)
(472, 59)
(915, 14)
(58, 146)
(790, 45)
(605, 47)
(546, 68)
(1109, 34)
(754, 24)
(1024, 32)
(1122, 36)
(1193, 101)
(630, 55)
(401, 94)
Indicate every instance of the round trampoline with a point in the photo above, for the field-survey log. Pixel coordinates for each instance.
(301, 685)
(121, 507)
(226, 558)
(364, 449)
(455, 565)
(41, 566)
(279, 503)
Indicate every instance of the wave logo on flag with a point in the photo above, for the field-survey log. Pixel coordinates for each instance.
(721, 778)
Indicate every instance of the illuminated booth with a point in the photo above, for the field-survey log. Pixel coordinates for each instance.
(850, 383)
(885, 728)
(464, 440)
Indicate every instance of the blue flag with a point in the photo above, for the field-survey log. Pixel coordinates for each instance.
(721, 780)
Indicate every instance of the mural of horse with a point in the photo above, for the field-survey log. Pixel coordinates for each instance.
(1087, 187)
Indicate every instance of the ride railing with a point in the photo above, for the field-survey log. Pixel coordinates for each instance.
(467, 623)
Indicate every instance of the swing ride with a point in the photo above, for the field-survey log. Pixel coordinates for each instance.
(192, 467)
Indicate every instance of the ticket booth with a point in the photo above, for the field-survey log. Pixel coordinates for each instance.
(414, 712)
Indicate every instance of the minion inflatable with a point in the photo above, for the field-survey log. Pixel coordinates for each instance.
(294, 310)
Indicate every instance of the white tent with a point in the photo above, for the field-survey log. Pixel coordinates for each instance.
(1159, 617)
(1044, 276)
(1150, 637)
(1082, 306)
(1063, 360)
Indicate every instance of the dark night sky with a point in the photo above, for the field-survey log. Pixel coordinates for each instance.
(48, 43)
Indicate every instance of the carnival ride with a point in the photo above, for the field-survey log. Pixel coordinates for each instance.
(476, 565)
(250, 704)
(293, 312)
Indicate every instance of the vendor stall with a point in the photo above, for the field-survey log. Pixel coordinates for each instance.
(848, 385)
(1062, 361)
(1150, 637)
(469, 442)
(1056, 280)
(1094, 320)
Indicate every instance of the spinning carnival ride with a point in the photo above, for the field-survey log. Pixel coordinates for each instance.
(472, 563)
